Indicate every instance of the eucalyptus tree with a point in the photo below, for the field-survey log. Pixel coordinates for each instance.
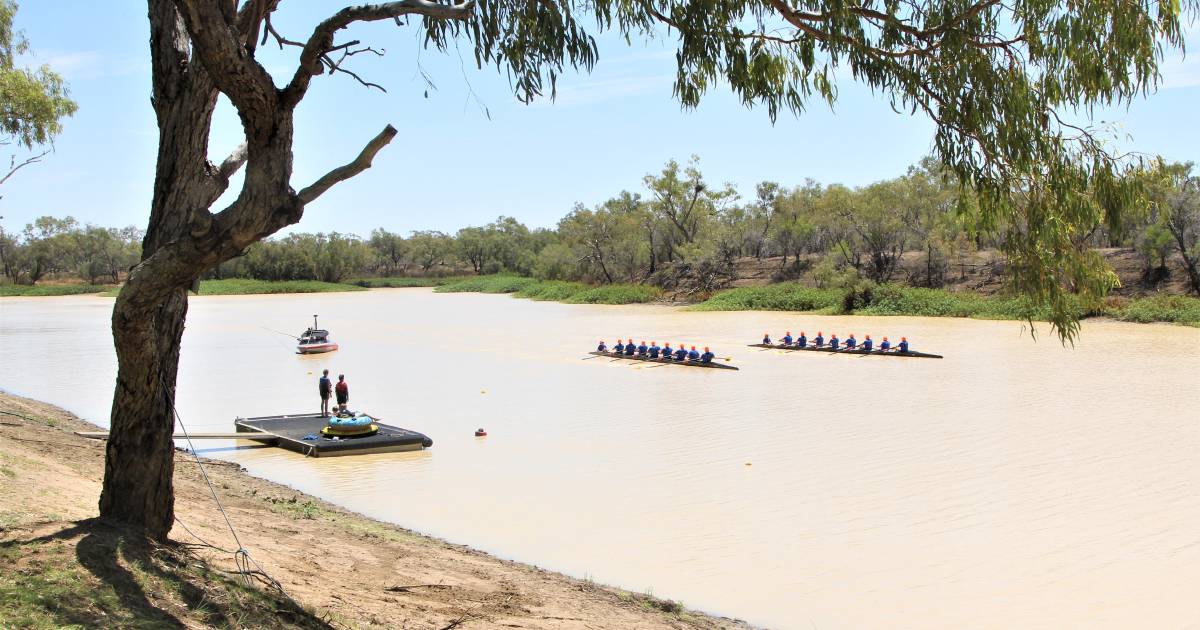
(34, 102)
(991, 75)
(1176, 199)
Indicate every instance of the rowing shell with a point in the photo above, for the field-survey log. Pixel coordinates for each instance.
(719, 366)
(874, 353)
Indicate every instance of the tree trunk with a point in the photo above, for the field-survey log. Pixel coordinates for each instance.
(137, 478)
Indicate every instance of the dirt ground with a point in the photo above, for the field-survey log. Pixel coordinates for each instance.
(378, 576)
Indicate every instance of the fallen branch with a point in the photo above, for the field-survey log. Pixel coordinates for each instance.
(408, 587)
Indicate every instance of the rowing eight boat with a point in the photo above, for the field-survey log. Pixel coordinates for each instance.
(719, 366)
(858, 351)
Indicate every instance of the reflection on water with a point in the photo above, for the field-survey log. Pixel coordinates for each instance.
(1013, 484)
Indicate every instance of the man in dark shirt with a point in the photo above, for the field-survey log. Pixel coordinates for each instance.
(325, 387)
(343, 392)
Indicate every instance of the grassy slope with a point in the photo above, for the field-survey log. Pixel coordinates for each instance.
(896, 300)
(569, 292)
(20, 290)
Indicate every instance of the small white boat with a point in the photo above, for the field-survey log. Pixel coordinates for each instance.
(315, 340)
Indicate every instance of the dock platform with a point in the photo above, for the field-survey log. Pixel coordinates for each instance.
(290, 431)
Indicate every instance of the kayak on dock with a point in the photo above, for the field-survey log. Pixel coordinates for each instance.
(685, 362)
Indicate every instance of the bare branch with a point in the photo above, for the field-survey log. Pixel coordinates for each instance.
(13, 167)
(232, 163)
(342, 173)
(320, 43)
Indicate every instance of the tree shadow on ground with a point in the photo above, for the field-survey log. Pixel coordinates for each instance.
(141, 584)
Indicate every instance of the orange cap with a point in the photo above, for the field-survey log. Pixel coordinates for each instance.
(904, 339)
(693, 347)
(820, 333)
(885, 338)
(801, 332)
(868, 336)
(788, 332)
(654, 343)
(706, 348)
(643, 342)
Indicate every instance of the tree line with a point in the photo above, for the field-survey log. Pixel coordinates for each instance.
(678, 231)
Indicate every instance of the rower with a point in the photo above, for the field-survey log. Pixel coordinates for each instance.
(681, 353)
(819, 340)
(787, 338)
(885, 345)
(641, 349)
(630, 348)
(653, 350)
(619, 348)
(867, 344)
(708, 356)
(766, 339)
(801, 341)
(601, 347)
(903, 346)
(851, 342)
(666, 351)
(833, 341)
(692, 355)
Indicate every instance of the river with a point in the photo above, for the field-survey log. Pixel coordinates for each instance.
(1016, 483)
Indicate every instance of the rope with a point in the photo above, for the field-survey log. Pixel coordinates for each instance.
(241, 558)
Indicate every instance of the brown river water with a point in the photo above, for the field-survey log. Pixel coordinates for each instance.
(1013, 484)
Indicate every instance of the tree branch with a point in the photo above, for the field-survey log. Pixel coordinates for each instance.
(342, 173)
(13, 167)
(320, 43)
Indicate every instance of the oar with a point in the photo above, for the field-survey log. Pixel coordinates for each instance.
(594, 356)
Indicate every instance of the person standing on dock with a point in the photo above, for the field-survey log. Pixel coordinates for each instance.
(343, 392)
(325, 388)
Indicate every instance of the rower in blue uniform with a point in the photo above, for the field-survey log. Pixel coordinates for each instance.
(619, 348)
(851, 342)
(867, 344)
(885, 345)
(833, 341)
(787, 338)
(681, 353)
(819, 340)
(641, 349)
(653, 350)
(601, 347)
(708, 356)
(766, 339)
(630, 348)
(692, 355)
(802, 341)
(666, 351)
(903, 347)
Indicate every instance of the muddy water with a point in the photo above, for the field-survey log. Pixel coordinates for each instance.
(1013, 484)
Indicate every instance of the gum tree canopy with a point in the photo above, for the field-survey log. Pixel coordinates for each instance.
(993, 76)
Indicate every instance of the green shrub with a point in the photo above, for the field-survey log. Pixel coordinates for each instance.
(242, 286)
(397, 283)
(775, 297)
(487, 284)
(616, 294)
(552, 290)
(1160, 308)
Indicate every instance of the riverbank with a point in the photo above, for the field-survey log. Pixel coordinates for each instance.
(59, 566)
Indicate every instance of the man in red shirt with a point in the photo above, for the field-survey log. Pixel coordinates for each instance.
(342, 391)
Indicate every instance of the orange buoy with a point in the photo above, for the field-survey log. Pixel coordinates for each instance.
(480, 432)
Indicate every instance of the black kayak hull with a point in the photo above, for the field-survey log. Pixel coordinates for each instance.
(857, 351)
(695, 364)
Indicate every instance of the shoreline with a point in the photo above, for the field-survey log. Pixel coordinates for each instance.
(878, 300)
(385, 572)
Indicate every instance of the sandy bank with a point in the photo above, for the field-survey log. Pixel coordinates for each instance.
(378, 575)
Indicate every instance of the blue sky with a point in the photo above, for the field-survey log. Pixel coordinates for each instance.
(451, 165)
